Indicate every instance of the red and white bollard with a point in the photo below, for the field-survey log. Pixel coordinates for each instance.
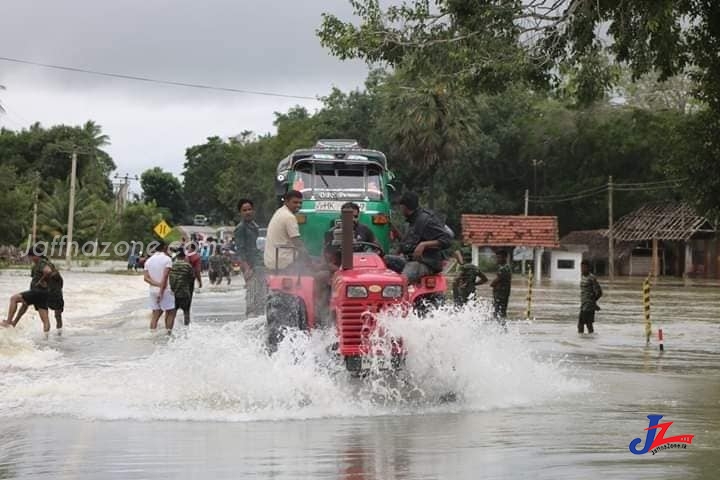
(660, 339)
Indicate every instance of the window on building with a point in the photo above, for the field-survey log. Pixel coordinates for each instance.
(565, 264)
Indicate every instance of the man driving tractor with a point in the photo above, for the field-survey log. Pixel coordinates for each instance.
(421, 249)
(361, 233)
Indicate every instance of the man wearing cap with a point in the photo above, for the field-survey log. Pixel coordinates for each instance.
(43, 272)
(423, 244)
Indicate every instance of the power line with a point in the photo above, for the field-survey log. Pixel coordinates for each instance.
(567, 199)
(589, 191)
(155, 80)
(648, 189)
(621, 187)
(659, 182)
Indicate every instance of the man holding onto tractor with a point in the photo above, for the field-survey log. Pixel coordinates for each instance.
(284, 249)
(423, 244)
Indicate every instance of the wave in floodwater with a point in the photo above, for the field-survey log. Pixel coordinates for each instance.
(222, 373)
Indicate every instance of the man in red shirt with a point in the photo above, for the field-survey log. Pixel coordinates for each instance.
(193, 258)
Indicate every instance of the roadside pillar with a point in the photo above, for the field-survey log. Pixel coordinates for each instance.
(537, 270)
(655, 258)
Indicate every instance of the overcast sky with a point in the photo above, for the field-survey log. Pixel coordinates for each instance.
(266, 45)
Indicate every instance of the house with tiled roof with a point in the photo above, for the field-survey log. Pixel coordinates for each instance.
(510, 231)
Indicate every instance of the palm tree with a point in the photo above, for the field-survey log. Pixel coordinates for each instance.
(428, 124)
(93, 217)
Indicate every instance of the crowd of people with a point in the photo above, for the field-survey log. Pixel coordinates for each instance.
(172, 275)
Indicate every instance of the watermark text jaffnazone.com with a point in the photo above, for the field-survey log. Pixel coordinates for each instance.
(59, 246)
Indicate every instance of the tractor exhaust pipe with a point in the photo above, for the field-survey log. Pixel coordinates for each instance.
(346, 252)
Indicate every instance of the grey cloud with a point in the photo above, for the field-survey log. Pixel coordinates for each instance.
(268, 45)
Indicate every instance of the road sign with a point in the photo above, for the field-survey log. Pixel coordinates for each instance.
(162, 229)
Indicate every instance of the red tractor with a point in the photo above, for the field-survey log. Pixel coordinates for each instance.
(359, 290)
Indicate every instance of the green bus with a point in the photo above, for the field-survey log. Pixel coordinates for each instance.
(330, 174)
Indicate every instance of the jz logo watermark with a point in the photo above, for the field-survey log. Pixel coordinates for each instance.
(655, 439)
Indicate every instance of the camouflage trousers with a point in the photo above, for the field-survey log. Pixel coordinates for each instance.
(256, 294)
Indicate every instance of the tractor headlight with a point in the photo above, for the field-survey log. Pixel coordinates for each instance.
(356, 291)
(392, 291)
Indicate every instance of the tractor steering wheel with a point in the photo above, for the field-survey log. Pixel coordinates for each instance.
(368, 246)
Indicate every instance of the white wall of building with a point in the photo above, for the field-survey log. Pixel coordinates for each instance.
(565, 266)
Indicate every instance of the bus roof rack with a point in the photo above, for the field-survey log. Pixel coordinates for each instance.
(337, 143)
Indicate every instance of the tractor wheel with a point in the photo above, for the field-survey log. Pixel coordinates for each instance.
(283, 311)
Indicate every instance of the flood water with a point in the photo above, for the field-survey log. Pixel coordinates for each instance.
(108, 399)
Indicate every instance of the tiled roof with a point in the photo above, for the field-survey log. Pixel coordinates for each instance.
(510, 230)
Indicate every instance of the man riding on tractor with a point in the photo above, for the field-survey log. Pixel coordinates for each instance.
(354, 284)
(424, 243)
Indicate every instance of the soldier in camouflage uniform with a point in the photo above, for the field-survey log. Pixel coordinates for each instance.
(251, 259)
(590, 293)
(182, 278)
(215, 267)
(43, 274)
(469, 277)
(501, 287)
(226, 267)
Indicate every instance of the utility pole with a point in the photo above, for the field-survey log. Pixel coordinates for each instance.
(35, 207)
(611, 235)
(122, 193)
(527, 204)
(71, 211)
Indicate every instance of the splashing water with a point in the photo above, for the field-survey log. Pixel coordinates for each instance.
(222, 373)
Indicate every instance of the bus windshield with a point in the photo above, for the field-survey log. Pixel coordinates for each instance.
(337, 181)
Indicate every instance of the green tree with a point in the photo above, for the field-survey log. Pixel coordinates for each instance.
(49, 151)
(426, 124)
(476, 44)
(136, 222)
(93, 217)
(165, 190)
(16, 197)
(203, 166)
(488, 46)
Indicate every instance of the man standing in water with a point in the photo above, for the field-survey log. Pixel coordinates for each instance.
(182, 278)
(468, 278)
(56, 302)
(590, 293)
(215, 268)
(43, 273)
(501, 287)
(193, 258)
(157, 271)
(251, 261)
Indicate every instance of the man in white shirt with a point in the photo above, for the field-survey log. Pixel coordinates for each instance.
(283, 246)
(157, 271)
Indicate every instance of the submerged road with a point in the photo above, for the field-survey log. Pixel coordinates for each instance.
(107, 399)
